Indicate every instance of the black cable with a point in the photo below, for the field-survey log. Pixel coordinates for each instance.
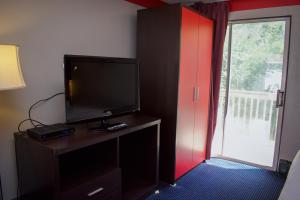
(36, 103)
(36, 123)
(25, 120)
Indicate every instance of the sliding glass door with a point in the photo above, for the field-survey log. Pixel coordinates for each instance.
(252, 91)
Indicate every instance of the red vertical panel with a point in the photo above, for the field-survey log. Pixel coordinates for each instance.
(187, 82)
(205, 42)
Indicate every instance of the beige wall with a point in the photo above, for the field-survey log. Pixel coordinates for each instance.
(45, 31)
(290, 138)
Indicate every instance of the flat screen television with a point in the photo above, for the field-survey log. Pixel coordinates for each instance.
(100, 87)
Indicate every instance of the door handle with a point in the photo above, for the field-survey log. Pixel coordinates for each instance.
(279, 98)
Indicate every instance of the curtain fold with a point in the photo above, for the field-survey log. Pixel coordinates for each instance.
(219, 12)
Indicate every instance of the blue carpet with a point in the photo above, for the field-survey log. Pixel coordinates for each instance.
(219, 179)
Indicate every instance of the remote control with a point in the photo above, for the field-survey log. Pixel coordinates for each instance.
(116, 127)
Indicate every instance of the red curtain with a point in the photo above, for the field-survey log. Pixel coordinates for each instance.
(218, 12)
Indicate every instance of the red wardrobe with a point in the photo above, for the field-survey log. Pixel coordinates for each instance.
(174, 50)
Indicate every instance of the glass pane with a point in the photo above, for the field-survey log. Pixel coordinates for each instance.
(255, 76)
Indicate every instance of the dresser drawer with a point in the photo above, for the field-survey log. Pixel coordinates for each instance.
(107, 186)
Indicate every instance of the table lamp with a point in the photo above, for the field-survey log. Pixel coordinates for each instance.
(10, 73)
(10, 70)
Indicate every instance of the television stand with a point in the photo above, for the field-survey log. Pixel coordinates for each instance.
(119, 165)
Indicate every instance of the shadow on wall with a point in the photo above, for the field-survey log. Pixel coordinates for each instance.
(10, 111)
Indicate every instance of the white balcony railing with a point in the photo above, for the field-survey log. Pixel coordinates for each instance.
(252, 108)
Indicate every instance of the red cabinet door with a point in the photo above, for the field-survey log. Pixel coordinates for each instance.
(187, 82)
(202, 102)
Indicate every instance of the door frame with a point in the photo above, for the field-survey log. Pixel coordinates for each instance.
(280, 117)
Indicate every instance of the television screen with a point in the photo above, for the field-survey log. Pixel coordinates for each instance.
(98, 87)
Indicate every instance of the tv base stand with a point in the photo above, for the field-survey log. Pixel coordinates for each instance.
(104, 124)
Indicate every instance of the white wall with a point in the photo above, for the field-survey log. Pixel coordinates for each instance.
(290, 138)
(45, 31)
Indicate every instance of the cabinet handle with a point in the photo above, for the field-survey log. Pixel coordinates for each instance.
(95, 191)
(197, 93)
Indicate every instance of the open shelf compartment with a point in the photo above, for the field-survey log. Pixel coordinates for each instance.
(139, 163)
(87, 164)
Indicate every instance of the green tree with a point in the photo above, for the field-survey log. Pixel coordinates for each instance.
(254, 45)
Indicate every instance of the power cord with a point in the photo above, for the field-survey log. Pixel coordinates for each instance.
(36, 123)
(32, 120)
(38, 102)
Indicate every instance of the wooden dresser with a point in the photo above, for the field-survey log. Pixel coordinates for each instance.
(91, 164)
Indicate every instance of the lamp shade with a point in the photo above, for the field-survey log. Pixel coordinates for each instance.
(10, 70)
